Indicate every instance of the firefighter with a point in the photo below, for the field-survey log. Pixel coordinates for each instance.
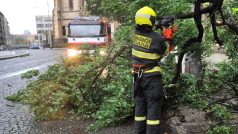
(148, 47)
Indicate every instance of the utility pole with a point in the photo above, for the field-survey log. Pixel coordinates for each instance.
(49, 27)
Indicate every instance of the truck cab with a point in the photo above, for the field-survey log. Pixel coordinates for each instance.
(87, 33)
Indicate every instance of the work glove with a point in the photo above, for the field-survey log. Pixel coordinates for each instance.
(168, 33)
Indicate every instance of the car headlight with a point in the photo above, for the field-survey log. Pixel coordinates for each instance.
(72, 52)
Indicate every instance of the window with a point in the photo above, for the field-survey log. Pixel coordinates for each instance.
(63, 30)
(47, 25)
(85, 30)
(38, 19)
(71, 5)
(39, 25)
(81, 5)
(48, 19)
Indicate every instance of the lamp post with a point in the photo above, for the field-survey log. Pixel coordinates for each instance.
(49, 27)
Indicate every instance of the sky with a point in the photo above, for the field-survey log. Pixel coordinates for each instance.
(21, 13)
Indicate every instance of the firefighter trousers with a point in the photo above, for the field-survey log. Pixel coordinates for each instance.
(149, 96)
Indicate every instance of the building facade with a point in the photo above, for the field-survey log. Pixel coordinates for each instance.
(4, 31)
(43, 25)
(64, 11)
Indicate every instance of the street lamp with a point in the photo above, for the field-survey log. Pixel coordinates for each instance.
(49, 26)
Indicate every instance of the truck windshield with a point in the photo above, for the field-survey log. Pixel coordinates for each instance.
(85, 30)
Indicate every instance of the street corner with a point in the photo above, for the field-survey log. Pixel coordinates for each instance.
(12, 54)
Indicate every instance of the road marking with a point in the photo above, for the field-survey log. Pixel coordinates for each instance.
(8, 75)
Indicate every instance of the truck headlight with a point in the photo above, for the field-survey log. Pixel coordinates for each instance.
(105, 39)
(103, 53)
(72, 52)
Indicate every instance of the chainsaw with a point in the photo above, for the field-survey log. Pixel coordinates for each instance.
(166, 24)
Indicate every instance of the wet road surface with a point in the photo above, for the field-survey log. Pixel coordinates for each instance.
(16, 118)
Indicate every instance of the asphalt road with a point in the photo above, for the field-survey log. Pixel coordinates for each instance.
(16, 118)
(38, 59)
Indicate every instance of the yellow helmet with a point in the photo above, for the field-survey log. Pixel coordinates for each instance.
(145, 15)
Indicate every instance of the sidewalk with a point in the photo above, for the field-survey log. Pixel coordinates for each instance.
(12, 54)
(216, 58)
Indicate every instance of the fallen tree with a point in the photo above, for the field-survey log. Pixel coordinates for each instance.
(79, 85)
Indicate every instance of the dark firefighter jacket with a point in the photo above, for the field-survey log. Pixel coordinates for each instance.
(148, 47)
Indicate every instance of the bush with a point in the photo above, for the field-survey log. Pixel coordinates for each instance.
(221, 112)
(220, 130)
(190, 94)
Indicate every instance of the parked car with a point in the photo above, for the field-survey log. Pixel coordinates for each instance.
(34, 46)
(2, 47)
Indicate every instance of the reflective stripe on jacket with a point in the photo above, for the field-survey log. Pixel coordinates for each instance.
(148, 48)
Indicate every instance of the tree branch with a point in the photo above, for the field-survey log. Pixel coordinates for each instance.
(122, 49)
(232, 26)
(213, 22)
(189, 42)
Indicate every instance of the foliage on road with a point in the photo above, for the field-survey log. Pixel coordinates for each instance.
(66, 89)
(30, 74)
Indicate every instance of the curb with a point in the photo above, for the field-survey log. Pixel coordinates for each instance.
(15, 56)
(177, 125)
(174, 123)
